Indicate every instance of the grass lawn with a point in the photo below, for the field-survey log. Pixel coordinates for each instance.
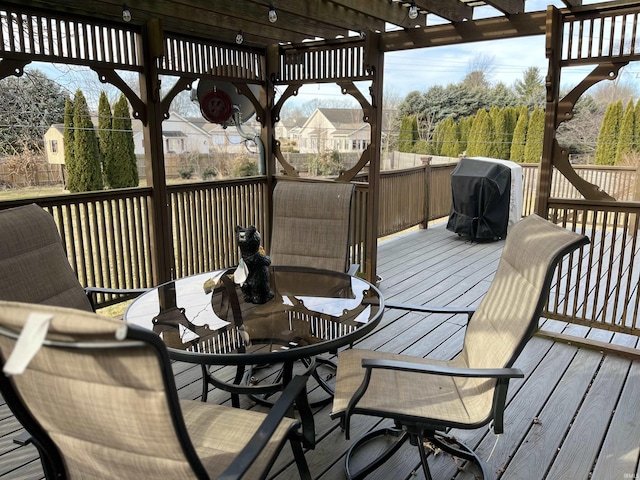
(31, 192)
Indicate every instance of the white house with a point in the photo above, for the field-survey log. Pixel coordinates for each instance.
(340, 129)
(179, 135)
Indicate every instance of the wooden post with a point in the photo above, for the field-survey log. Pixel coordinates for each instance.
(161, 238)
(553, 52)
(375, 62)
(267, 134)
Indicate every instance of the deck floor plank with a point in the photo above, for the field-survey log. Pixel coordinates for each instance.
(586, 402)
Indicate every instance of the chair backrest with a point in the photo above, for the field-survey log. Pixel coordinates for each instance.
(101, 401)
(508, 314)
(311, 224)
(33, 263)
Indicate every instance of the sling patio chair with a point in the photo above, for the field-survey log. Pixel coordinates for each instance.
(311, 228)
(426, 398)
(99, 398)
(33, 263)
(311, 225)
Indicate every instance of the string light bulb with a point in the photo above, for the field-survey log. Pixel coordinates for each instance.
(126, 13)
(273, 15)
(413, 11)
(239, 37)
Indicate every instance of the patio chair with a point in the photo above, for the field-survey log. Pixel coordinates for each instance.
(33, 263)
(311, 228)
(99, 398)
(311, 225)
(425, 398)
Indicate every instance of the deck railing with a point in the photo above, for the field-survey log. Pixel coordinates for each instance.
(599, 286)
(108, 238)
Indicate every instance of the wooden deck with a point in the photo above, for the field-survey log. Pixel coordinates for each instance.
(575, 415)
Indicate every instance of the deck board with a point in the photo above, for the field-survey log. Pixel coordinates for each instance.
(576, 412)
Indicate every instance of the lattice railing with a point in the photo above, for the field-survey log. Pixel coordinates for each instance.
(58, 39)
(608, 35)
(327, 63)
(192, 56)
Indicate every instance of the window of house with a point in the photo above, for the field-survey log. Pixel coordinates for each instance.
(54, 146)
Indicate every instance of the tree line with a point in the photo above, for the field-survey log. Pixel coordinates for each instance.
(476, 119)
(509, 133)
(106, 157)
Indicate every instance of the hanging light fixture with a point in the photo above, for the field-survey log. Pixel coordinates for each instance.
(239, 37)
(126, 13)
(413, 11)
(273, 15)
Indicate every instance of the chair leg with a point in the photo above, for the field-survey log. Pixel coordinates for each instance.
(401, 435)
(423, 458)
(301, 461)
(458, 449)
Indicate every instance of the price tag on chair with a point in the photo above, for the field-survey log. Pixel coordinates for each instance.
(29, 342)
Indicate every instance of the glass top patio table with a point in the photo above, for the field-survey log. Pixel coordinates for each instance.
(204, 319)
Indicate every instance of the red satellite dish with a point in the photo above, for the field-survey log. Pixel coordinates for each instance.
(216, 106)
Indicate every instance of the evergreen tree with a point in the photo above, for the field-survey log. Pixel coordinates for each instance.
(510, 115)
(636, 128)
(479, 144)
(464, 128)
(104, 135)
(626, 135)
(125, 170)
(535, 135)
(501, 145)
(450, 142)
(422, 147)
(408, 133)
(608, 136)
(88, 176)
(68, 143)
(519, 137)
(437, 138)
(530, 89)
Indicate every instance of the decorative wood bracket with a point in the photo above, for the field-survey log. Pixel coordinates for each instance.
(244, 89)
(288, 168)
(182, 84)
(351, 89)
(367, 109)
(9, 66)
(560, 156)
(292, 90)
(347, 176)
(588, 190)
(605, 71)
(110, 76)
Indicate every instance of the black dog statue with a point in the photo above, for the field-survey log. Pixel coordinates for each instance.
(255, 287)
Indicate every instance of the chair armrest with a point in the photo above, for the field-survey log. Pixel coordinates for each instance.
(502, 374)
(92, 294)
(295, 389)
(469, 311)
(443, 370)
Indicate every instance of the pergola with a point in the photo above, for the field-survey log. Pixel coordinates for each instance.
(289, 43)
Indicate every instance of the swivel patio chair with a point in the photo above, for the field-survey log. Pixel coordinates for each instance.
(33, 263)
(311, 228)
(99, 398)
(426, 398)
(311, 225)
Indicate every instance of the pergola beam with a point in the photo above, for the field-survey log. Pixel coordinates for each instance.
(521, 25)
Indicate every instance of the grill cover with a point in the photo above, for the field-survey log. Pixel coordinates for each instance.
(480, 193)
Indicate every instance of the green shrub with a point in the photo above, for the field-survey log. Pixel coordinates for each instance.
(186, 172)
(209, 172)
